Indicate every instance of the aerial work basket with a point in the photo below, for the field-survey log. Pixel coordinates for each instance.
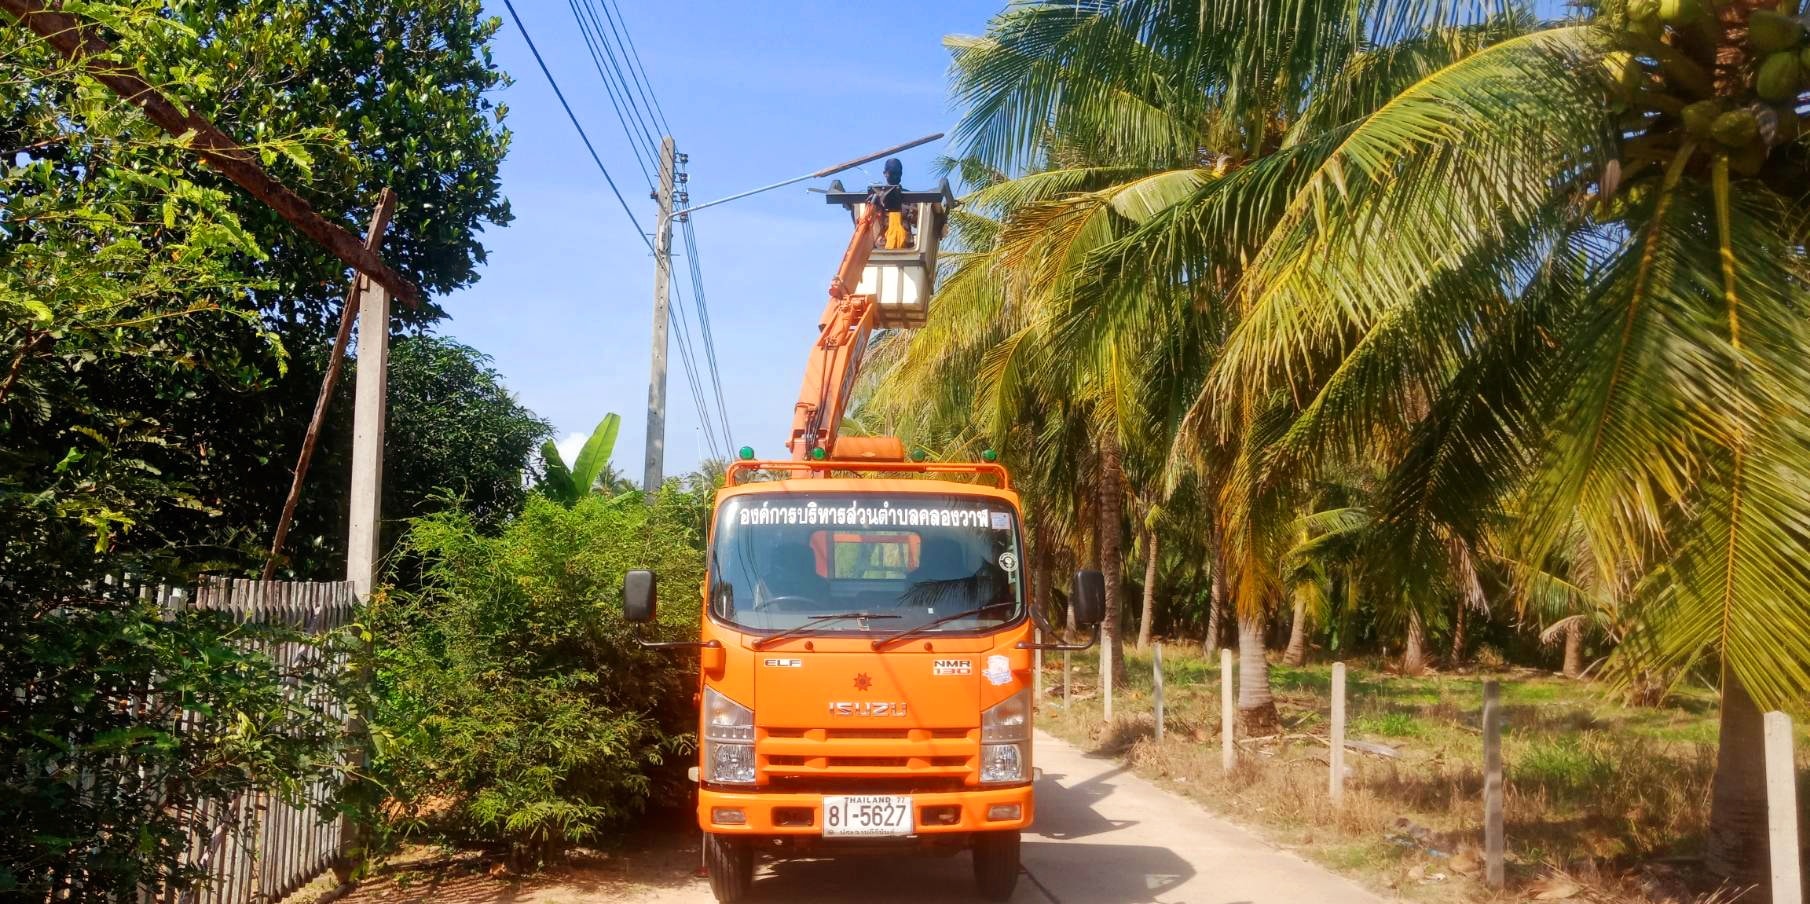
(901, 275)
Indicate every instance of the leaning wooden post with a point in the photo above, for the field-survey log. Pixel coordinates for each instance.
(1492, 783)
(1106, 674)
(380, 221)
(1156, 665)
(1228, 755)
(1781, 811)
(1335, 786)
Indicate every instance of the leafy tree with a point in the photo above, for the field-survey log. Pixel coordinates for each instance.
(517, 705)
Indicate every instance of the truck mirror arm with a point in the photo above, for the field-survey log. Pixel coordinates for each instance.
(675, 644)
(1092, 639)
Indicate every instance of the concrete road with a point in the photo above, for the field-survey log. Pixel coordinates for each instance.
(1103, 836)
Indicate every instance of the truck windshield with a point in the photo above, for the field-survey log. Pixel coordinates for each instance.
(778, 562)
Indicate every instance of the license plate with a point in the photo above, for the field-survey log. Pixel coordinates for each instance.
(867, 814)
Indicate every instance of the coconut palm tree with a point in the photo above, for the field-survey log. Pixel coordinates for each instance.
(1175, 133)
(1586, 246)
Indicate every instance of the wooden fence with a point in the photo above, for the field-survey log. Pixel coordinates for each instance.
(257, 848)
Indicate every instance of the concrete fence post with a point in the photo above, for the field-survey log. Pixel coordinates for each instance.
(1157, 667)
(1781, 811)
(1106, 675)
(1228, 754)
(1492, 784)
(1335, 787)
(1037, 668)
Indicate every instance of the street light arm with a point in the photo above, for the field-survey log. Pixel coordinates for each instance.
(826, 171)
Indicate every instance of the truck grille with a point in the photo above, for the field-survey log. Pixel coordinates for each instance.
(868, 758)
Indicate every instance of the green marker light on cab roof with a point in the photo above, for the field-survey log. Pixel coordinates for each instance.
(989, 455)
(746, 453)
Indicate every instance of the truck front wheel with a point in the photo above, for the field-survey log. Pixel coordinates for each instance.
(996, 864)
(731, 865)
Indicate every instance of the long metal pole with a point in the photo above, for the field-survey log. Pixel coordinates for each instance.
(656, 381)
(818, 174)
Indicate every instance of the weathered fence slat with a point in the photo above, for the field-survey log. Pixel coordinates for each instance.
(258, 848)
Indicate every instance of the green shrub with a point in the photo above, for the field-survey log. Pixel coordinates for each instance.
(516, 705)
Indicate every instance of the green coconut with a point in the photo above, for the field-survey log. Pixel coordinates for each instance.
(1648, 26)
(1678, 12)
(1700, 116)
(1736, 128)
(1770, 32)
(1803, 59)
(1779, 77)
(1643, 9)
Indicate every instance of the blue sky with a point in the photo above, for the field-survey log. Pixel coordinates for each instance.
(755, 92)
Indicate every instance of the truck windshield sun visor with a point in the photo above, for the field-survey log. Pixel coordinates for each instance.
(927, 563)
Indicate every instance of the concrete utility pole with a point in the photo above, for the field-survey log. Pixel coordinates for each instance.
(368, 409)
(656, 381)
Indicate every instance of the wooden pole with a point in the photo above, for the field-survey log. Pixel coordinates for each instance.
(1335, 787)
(367, 437)
(1228, 753)
(1781, 811)
(380, 223)
(1068, 677)
(77, 41)
(1156, 665)
(1492, 784)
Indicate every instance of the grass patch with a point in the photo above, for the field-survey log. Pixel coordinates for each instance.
(1593, 787)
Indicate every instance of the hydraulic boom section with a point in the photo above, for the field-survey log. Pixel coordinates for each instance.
(885, 280)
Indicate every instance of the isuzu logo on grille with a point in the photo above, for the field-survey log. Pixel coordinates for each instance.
(865, 708)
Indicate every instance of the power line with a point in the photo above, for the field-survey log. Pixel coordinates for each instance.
(697, 290)
(620, 85)
(507, 4)
(584, 29)
(647, 92)
(637, 110)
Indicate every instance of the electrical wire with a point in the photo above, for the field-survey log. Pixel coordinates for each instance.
(507, 4)
(640, 115)
(642, 159)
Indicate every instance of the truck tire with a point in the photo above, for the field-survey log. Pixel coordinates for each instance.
(730, 862)
(996, 864)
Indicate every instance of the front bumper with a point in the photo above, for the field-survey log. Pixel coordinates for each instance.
(932, 811)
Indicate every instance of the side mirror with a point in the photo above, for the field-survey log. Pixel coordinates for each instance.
(1089, 599)
(640, 596)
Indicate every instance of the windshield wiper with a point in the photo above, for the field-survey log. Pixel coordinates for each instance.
(816, 620)
(915, 630)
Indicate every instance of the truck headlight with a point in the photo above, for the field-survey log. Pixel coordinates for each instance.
(1005, 734)
(1001, 763)
(728, 732)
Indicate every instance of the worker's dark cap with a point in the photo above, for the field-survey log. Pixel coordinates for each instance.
(893, 169)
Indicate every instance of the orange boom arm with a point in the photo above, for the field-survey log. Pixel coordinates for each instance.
(873, 287)
(835, 360)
